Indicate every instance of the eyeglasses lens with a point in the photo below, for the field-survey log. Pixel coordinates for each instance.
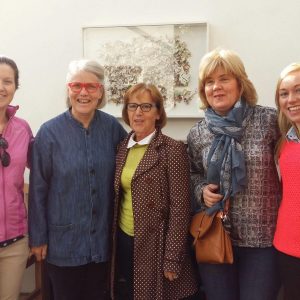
(3, 143)
(4, 156)
(5, 159)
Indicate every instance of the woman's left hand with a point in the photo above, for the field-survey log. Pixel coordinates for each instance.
(170, 275)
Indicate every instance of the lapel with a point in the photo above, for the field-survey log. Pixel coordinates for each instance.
(120, 162)
(151, 157)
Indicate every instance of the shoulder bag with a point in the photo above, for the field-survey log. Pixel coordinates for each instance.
(212, 243)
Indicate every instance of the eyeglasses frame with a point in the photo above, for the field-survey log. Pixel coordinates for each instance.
(83, 85)
(140, 106)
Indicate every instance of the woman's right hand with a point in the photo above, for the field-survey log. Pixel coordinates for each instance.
(40, 252)
(210, 195)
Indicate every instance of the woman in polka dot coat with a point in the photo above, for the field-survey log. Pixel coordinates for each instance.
(151, 252)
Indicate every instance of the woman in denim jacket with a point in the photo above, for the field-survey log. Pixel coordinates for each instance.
(71, 188)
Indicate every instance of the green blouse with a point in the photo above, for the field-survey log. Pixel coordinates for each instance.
(134, 157)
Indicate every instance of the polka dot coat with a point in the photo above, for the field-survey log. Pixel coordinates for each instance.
(161, 210)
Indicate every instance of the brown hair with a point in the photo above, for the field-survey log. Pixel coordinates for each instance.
(156, 97)
(8, 61)
(232, 64)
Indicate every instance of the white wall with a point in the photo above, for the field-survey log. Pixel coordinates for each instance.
(44, 36)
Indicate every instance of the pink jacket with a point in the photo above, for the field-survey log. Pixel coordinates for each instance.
(13, 216)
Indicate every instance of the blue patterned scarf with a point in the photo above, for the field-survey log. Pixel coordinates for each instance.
(226, 162)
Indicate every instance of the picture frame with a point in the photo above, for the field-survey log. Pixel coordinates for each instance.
(167, 55)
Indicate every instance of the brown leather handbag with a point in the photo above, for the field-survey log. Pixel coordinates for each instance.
(212, 243)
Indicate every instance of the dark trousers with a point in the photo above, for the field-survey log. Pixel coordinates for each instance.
(124, 282)
(253, 275)
(87, 282)
(290, 275)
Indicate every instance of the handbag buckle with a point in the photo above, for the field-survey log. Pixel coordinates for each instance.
(226, 222)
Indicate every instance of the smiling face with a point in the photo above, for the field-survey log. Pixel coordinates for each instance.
(84, 103)
(222, 91)
(7, 85)
(142, 123)
(289, 97)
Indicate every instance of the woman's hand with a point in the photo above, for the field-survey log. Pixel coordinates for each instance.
(40, 252)
(210, 195)
(170, 275)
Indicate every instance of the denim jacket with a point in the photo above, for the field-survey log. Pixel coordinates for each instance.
(71, 188)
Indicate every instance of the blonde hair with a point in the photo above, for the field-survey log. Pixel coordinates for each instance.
(232, 64)
(90, 66)
(283, 122)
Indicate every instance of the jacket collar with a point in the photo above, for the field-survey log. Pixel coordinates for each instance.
(78, 123)
(292, 135)
(11, 111)
(151, 156)
(156, 140)
(145, 141)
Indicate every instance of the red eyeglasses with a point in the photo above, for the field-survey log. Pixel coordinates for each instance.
(90, 87)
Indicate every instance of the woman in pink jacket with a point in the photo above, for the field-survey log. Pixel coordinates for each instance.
(15, 140)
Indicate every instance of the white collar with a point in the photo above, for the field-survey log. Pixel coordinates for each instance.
(144, 141)
(292, 135)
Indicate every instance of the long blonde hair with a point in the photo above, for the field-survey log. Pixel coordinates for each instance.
(283, 122)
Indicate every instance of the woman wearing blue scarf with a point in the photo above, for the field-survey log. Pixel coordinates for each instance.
(231, 154)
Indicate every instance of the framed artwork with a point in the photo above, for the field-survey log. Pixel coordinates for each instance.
(165, 55)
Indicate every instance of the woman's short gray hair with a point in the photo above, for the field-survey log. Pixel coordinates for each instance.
(90, 66)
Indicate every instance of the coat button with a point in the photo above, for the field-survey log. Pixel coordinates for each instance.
(152, 229)
(151, 204)
(164, 213)
(148, 180)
